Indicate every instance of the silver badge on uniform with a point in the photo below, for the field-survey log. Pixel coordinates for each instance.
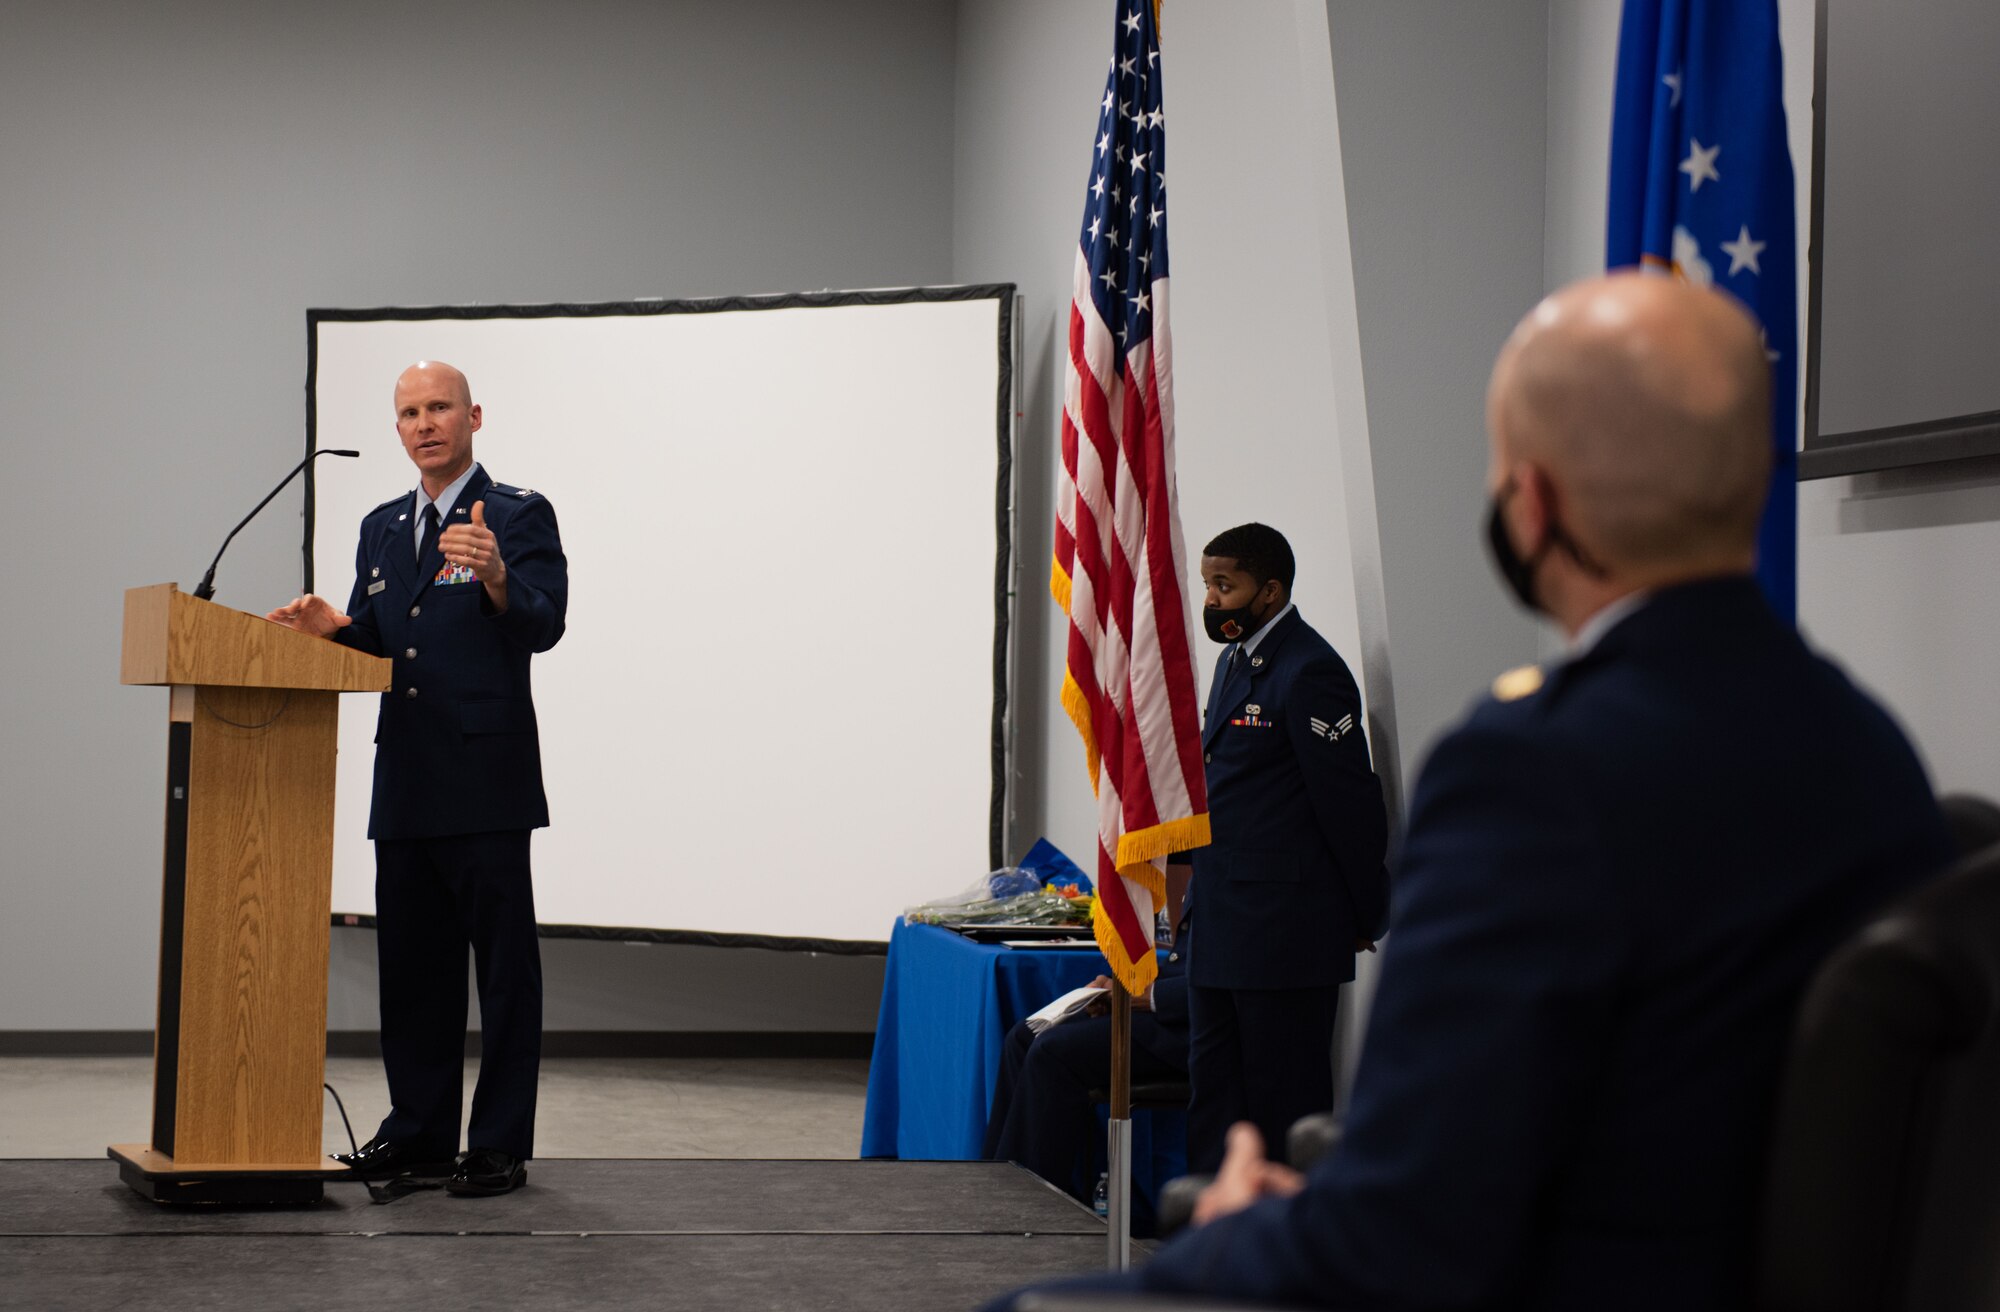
(1253, 710)
(374, 588)
(1332, 732)
(375, 573)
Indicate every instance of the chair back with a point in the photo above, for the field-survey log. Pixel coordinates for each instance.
(1974, 821)
(1883, 1191)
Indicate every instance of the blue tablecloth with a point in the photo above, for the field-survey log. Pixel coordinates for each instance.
(947, 1004)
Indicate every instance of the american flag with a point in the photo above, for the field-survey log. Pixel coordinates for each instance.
(1119, 561)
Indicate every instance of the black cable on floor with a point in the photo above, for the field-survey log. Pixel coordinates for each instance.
(352, 1146)
(400, 1186)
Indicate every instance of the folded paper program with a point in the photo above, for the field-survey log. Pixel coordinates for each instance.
(1072, 1003)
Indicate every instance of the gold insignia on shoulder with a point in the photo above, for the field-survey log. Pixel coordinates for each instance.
(1516, 684)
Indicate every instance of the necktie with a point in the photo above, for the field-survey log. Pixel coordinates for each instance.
(430, 528)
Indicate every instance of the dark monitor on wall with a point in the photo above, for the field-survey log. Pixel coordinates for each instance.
(1903, 299)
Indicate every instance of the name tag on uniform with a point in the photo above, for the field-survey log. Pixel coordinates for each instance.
(377, 586)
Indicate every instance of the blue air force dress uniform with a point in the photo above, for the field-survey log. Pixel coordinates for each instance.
(1043, 1116)
(1615, 886)
(1292, 878)
(458, 788)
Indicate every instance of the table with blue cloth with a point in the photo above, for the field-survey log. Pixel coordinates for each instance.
(947, 1004)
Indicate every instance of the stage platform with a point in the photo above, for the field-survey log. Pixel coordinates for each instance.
(708, 1234)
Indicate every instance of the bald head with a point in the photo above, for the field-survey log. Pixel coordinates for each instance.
(427, 375)
(1647, 401)
(435, 418)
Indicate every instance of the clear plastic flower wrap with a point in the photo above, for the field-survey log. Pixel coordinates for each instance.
(1005, 897)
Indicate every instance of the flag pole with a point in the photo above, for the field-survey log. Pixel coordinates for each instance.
(1120, 567)
(1118, 1146)
(1118, 1128)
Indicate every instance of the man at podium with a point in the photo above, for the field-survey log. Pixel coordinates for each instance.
(459, 582)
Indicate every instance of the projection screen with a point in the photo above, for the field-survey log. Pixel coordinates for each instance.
(779, 712)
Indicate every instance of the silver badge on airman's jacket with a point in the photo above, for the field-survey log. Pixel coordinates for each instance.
(1256, 661)
(375, 573)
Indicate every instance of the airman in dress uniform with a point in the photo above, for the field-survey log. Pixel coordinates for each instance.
(1292, 884)
(459, 582)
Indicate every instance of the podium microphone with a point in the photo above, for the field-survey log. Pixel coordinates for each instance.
(206, 589)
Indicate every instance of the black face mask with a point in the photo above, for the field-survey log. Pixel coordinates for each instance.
(1517, 570)
(1232, 625)
(1518, 573)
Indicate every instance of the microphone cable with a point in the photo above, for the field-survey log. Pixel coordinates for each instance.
(398, 1186)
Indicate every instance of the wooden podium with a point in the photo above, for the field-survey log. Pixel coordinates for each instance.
(239, 1050)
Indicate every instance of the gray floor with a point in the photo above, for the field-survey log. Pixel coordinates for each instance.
(604, 1107)
(66, 1199)
(606, 1231)
(537, 1273)
(721, 1235)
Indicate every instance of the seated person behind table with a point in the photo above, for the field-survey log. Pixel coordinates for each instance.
(1043, 1114)
(1617, 879)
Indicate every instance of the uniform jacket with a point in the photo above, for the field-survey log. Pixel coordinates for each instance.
(1293, 874)
(1612, 894)
(1167, 1037)
(456, 746)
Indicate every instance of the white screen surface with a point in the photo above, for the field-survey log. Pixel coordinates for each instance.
(771, 712)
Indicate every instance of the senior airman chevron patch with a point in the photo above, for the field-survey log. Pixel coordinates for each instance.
(1332, 732)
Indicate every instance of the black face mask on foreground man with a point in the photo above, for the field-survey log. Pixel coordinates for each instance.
(1516, 570)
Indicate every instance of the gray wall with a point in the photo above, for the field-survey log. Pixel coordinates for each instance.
(1442, 134)
(1029, 73)
(1895, 568)
(1254, 390)
(1336, 306)
(1261, 242)
(184, 179)
(1910, 291)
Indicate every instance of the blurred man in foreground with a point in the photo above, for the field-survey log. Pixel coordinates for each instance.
(1617, 877)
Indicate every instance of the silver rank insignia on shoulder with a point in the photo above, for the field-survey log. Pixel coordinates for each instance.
(1516, 684)
(525, 492)
(1253, 710)
(1332, 732)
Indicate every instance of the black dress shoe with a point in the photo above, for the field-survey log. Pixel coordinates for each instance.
(484, 1172)
(378, 1159)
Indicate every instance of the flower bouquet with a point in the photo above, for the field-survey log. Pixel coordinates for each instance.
(1007, 897)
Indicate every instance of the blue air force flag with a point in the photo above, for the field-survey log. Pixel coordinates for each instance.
(1701, 184)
